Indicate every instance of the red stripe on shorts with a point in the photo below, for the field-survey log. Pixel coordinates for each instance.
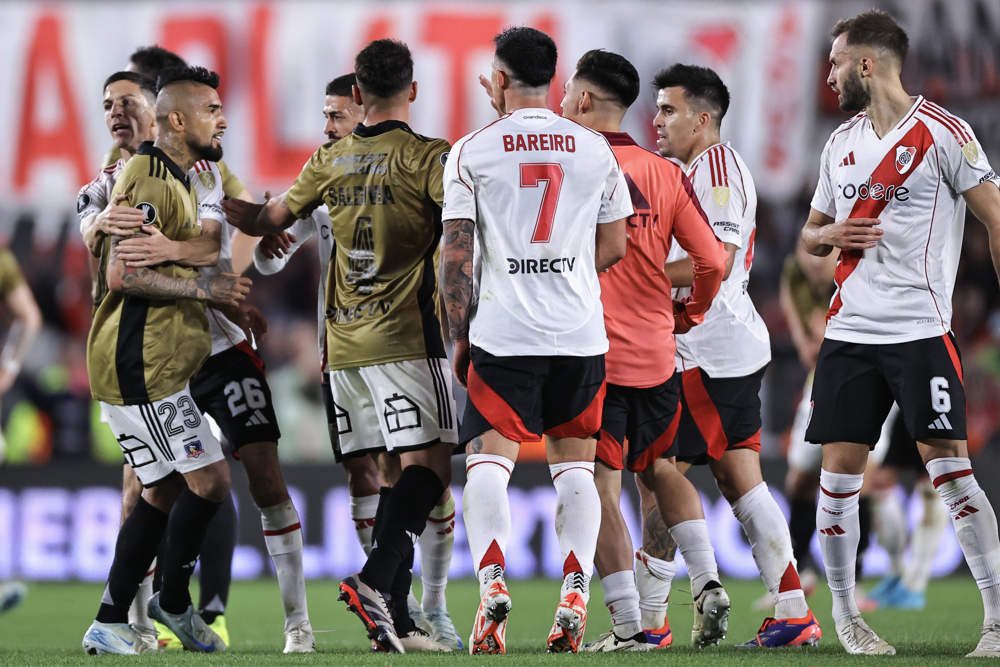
(497, 412)
(706, 416)
(953, 353)
(585, 424)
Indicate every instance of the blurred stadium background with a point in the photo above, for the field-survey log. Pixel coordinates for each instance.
(59, 488)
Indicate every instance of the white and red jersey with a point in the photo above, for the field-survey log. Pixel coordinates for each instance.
(94, 196)
(911, 180)
(733, 340)
(536, 185)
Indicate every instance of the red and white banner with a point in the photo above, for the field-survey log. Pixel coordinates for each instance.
(276, 57)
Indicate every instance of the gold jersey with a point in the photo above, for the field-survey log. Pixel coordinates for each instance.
(383, 186)
(141, 350)
(231, 185)
(10, 274)
(806, 297)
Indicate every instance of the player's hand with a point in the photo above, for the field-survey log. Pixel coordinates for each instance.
(228, 289)
(276, 245)
(488, 85)
(852, 233)
(148, 249)
(241, 213)
(247, 317)
(682, 321)
(117, 220)
(461, 360)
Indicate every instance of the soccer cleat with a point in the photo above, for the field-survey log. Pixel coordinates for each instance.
(166, 639)
(438, 623)
(711, 615)
(419, 641)
(661, 637)
(609, 642)
(417, 614)
(299, 639)
(786, 632)
(219, 627)
(989, 643)
(189, 627)
(859, 639)
(489, 631)
(369, 605)
(569, 625)
(112, 638)
(148, 637)
(12, 594)
(884, 590)
(902, 597)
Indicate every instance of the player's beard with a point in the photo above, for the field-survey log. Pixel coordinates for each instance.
(208, 151)
(853, 96)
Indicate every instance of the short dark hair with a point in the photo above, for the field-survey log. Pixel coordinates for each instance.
(341, 86)
(610, 72)
(146, 85)
(529, 54)
(874, 28)
(153, 60)
(193, 74)
(384, 68)
(701, 85)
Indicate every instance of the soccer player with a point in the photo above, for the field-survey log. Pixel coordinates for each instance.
(389, 375)
(363, 482)
(643, 388)
(893, 187)
(535, 207)
(150, 335)
(231, 388)
(722, 361)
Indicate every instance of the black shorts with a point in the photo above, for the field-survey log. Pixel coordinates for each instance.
(856, 383)
(232, 389)
(523, 398)
(718, 414)
(902, 452)
(646, 417)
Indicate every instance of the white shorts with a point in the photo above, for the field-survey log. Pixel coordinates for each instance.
(163, 437)
(400, 406)
(808, 456)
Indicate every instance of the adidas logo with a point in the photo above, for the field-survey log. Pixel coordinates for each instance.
(833, 531)
(849, 160)
(257, 419)
(968, 510)
(940, 424)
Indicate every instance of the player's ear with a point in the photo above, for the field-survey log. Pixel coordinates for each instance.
(176, 119)
(585, 103)
(356, 94)
(413, 92)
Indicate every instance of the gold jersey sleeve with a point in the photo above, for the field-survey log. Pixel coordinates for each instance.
(10, 274)
(231, 185)
(139, 349)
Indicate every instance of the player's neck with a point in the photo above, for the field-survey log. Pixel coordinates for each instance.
(126, 153)
(514, 101)
(176, 150)
(379, 114)
(705, 140)
(887, 107)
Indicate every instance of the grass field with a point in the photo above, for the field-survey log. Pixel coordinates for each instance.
(48, 627)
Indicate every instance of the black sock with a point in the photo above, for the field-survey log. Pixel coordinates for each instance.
(407, 507)
(189, 519)
(158, 574)
(399, 594)
(801, 526)
(217, 562)
(865, 519)
(135, 550)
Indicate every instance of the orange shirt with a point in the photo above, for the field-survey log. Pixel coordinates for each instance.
(638, 309)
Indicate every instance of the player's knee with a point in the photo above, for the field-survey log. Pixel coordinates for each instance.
(212, 482)
(362, 480)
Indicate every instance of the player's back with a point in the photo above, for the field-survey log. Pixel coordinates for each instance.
(537, 185)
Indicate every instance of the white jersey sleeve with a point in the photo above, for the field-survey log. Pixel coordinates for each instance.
(963, 164)
(302, 230)
(615, 206)
(722, 197)
(94, 196)
(459, 197)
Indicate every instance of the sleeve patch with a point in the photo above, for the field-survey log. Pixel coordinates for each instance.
(207, 179)
(971, 152)
(720, 196)
(82, 202)
(444, 158)
(149, 210)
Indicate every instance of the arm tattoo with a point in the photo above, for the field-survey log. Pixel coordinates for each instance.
(147, 283)
(656, 539)
(457, 270)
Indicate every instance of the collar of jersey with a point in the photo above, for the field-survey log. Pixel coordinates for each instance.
(619, 139)
(380, 128)
(147, 148)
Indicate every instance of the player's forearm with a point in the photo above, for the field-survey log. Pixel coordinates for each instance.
(457, 275)
(23, 331)
(149, 284)
(680, 273)
(202, 250)
(812, 238)
(610, 244)
(92, 236)
(243, 247)
(274, 217)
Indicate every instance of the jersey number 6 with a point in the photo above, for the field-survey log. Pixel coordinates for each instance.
(550, 175)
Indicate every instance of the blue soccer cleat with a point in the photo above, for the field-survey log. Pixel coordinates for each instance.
(786, 632)
(903, 598)
(194, 633)
(113, 638)
(884, 590)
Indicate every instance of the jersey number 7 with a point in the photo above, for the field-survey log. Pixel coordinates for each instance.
(550, 176)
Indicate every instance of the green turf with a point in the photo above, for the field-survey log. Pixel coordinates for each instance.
(48, 628)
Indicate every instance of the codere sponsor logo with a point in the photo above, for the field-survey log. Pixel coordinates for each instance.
(876, 191)
(558, 265)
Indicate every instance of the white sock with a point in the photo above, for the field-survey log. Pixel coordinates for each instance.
(486, 511)
(283, 537)
(975, 525)
(622, 600)
(578, 521)
(696, 547)
(436, 544)
(890, 527)
(771, 545)
(839, 534)
(363, 510)
(926, 538)
(137, 611)
(652, 579)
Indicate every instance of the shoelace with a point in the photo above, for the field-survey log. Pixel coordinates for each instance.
(578, 581)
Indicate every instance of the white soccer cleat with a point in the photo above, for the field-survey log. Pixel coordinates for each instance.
(711, 615)
(12, 594)
(148, 637)
(189, 627)
(439, 625)
(858, 639)
(609, 642)
(299, 639)
(419, 641)
(112, 638)
(989, 643)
